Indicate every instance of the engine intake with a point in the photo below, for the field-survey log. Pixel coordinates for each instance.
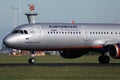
(114, 51)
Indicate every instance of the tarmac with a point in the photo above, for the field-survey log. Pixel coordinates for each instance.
(59, 64)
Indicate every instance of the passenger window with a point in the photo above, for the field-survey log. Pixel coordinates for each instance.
(68, 32)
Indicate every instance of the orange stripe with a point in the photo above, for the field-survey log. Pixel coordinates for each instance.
(97, 47)
(68, 48)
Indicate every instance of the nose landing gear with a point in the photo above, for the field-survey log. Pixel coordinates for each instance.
(32, 59)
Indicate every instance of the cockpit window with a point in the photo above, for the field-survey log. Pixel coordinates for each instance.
(20, 32)
(15, 31)
(25, 32)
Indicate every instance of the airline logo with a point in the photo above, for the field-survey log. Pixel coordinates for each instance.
(63, 26)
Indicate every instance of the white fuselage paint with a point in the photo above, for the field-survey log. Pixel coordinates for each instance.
(58, 36)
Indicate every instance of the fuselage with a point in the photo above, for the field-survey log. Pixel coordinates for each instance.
(59, 36)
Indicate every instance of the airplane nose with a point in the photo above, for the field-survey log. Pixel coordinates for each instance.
(8, 41)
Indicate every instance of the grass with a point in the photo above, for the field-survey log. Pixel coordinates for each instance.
(57, 73)
(53, 59)
(60, 73)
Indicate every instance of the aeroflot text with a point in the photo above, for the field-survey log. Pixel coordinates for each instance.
(62, 26)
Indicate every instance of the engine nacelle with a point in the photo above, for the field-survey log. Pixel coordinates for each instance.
(114, 51)
(75, 53)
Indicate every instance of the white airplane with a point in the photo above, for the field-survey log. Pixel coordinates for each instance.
(72, 40)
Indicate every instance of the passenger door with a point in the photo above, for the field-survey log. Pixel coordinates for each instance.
(85, 33)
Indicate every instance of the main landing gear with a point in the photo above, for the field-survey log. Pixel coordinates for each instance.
(104, 59)
(32, 59)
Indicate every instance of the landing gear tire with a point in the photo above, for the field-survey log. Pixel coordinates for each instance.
(31, 60)
(104, 59)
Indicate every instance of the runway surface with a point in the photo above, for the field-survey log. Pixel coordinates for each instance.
(59, 64)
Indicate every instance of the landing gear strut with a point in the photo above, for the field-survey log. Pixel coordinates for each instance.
(32, 59)
(104, 59)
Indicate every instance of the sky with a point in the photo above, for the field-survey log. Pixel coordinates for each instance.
(58, 11)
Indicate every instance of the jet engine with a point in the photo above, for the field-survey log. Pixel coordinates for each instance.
(114, 51)
(75, 53)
